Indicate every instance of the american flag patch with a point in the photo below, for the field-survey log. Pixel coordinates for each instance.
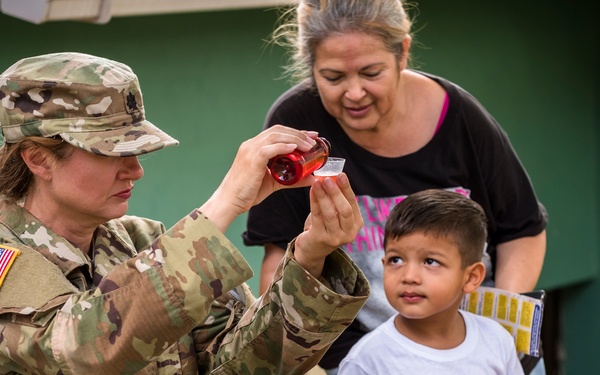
(7, 257)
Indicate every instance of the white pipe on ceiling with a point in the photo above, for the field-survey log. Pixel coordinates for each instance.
(101, 11)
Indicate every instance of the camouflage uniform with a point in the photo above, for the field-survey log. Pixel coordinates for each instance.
(152, 301)
(92, 103)
(149, 300)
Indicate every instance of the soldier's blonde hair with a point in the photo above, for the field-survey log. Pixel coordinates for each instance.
(15, 177)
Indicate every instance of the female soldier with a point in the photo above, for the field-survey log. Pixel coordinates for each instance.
(91, 290)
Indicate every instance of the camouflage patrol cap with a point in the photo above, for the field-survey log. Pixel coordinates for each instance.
(91, 102)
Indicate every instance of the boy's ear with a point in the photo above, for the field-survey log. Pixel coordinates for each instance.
(474, 275)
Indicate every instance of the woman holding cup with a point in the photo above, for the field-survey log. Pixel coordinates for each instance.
(89, 289)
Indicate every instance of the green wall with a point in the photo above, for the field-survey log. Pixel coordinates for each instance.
(209, 78)
(580, 304)
(529, 63)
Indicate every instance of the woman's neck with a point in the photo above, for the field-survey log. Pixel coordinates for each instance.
(77, 231)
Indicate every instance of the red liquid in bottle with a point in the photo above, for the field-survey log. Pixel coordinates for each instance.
(290, 168)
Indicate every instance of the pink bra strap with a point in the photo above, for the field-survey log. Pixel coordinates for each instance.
(443, 115)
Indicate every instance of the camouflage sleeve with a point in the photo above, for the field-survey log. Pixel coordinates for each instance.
(289, 328)
(142, 307)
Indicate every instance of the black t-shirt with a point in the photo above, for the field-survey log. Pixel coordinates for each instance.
(469, 154)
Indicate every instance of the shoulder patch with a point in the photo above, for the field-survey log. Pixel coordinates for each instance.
(29, 269)
(7, 257)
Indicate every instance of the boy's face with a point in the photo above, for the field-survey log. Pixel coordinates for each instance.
(422, 276)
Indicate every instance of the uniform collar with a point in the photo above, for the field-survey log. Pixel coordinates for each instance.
(34, 234)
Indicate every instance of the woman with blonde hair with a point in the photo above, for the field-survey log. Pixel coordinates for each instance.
(401, 131)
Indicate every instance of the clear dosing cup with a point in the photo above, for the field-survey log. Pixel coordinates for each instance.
(332, 168)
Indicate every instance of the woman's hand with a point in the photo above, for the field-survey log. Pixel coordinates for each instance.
(334, 220)
(248, 181)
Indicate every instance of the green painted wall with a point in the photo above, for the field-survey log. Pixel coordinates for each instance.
(580, 304)
(209, 78)
(530, 64)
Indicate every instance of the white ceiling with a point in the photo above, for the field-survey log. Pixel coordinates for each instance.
(101, 11)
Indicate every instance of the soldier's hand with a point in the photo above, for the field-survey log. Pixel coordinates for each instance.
(334, 220)
(249, 181)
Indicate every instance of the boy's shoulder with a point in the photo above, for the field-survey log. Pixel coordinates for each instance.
(488, 328)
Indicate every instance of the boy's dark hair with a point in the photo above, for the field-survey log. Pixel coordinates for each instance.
(441, 213)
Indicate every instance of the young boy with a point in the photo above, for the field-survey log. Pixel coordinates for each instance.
(433, 244)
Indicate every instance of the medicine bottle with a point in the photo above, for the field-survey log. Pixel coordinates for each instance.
(291, 168)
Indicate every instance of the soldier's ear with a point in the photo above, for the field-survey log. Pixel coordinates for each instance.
(39, 161)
